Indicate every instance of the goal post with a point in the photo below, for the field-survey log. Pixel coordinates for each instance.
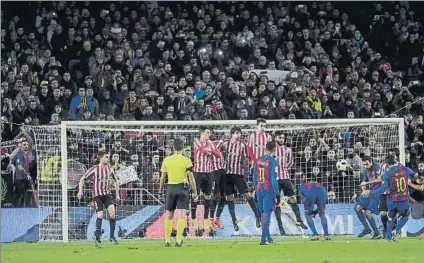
(139, 146)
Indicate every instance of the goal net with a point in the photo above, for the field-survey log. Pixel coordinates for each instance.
(328, 151)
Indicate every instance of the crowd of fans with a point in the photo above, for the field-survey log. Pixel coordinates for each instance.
(200, 61)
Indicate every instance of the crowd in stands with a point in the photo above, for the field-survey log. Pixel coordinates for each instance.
(210, 61)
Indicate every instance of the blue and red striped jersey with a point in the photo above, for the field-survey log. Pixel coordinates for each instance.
(372, 174)
(265, 174)
(309, 188)
(396, 180)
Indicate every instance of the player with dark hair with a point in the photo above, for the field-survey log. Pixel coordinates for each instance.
(176, 167)
(100, 176)
(383, 197)
(369, 205)
(284, 156)
(235, 154)
(203, 150)
(256, 141)
(266, 188)
(395, 179)
(313, 193)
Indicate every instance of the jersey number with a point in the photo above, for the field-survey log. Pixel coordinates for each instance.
(400, 184)
(261, 175)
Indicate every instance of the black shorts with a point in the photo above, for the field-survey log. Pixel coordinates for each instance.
(177, 197)
(203, 183)
(382, 206)
(218, 182)
(287, 187)
(102, 201)
(234, 181)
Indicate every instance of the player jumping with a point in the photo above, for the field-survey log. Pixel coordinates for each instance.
(100, 176)
(266, 188)
(203, 149)
(369, 205)
(235, 154)
(395, 179)
(284, 156)
(313, 193)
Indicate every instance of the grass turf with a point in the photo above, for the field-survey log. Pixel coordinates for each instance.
(340, 249)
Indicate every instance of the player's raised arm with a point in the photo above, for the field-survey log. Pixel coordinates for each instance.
(215, 151)
(198, 147)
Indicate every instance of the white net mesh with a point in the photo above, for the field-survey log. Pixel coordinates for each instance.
(329, 153)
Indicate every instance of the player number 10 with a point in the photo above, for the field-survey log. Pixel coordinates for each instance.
(401, 184)
(261, 175)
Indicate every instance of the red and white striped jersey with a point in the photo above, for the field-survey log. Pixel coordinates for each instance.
(235, 156)
(216, 162)
(284, 156)
(201, 158)
(100, 177)
(256, 143)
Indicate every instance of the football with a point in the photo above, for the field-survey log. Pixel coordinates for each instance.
(341, 165)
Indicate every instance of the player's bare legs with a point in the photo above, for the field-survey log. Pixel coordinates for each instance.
(296, 210)
(112, 223)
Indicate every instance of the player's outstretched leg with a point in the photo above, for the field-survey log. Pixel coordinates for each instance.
(296, 210)
(389, 235)
(361, 217)
(278, 217)
(254, 207)
(311, 225)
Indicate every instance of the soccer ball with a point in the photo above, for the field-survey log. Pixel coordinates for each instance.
(341, 165)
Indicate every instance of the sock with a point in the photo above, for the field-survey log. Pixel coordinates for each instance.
(265, 219)
(254, 207)
(296, 211)
(214, 203)
(324, 223)
(98, 228)
(168, 230)
(401, 223)
(180, 230)
(373, 225)
(389, 226)
(384, 221)
(361, 217)
(232, 210)
(194, 223)
(193, 210)
(207, 207)
(112, 224)
(278, 216)
(395, 222)
(221, 205)
(311, 224)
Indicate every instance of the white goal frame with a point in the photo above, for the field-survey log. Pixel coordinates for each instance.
(227, 123)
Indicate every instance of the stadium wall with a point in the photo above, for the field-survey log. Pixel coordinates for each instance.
(21, 224)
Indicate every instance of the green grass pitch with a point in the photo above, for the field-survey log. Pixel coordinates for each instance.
(340, 249)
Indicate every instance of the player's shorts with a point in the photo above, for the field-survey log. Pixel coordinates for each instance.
(398, 208)
(102, 201)
(287, 187)
(370, 204)
(177, 197)
(218, 181)
(234, 181)
(203, 183)
(383, 203)
(317, 197)
(266, 201)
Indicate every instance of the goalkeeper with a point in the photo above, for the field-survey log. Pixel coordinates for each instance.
(176, 168)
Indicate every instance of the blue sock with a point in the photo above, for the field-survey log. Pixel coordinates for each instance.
(263, 226)
(361, 217)
(373, 226)
(389, 228)
(311, 224)
(267, 221)
(324, 223)
(401, 223)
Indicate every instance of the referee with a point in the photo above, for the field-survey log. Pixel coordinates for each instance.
(176, 167)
